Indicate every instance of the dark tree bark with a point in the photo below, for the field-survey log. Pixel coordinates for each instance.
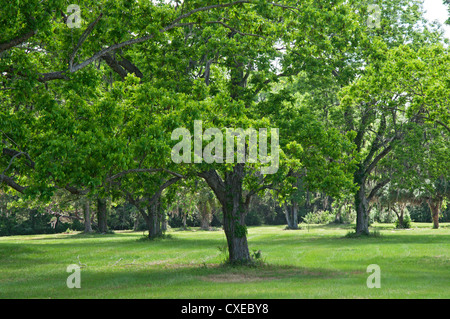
(16, 41)
(400, 216)
(435, 206)
(361, 205)
(153, 219)
(229, 192)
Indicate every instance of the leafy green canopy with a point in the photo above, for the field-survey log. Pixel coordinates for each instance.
(74, 107)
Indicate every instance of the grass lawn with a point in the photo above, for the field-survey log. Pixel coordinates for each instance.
(316, 263)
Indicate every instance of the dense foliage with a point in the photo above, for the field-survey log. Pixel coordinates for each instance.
(88, 113)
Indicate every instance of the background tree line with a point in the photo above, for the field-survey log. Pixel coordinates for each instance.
(17, 218)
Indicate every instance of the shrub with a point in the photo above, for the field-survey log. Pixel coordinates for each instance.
(406, 223)
(319, 217)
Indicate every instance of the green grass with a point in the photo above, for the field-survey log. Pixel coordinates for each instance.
(317, 263)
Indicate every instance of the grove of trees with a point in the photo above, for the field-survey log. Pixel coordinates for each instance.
(89, 100)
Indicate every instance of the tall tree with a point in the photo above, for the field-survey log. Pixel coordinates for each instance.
(403, 92)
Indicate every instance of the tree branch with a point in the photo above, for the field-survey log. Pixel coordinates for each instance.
(114, 65)
(83, 38)
(377, 188)
(235, 30)
(143, 170)
(216, 183)
(11, 183)
(16, 41)
(157, 195)
(376, 160)
(14, 154)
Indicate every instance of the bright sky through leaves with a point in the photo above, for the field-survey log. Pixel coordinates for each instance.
(436, 10)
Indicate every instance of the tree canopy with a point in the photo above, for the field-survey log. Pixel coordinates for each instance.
(91, 96)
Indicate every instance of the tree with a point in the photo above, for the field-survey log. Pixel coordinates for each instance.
(249, 63)
(86, 127)
(387, 105)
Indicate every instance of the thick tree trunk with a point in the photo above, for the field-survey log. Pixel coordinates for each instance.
(101, 215)
(236, 234)
(205, 222)
(400, 220)
(153, 221)
(362, 211)
(288, 217)
(205, 216)
(435, 207)
(87, 217)
(234, 212)
(230, 194)
(164, 222)
(291, 213)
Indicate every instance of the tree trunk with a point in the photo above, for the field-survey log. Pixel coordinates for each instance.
(136, 223)
(163, 222)
(362, 211)
(291, 213)
(236, 234)
(229, 192)
(87, 217)
(400, 220)
(295, 214)
(153, 221)
(435, 206)
(147, 220)
(338, 217)
(205, 221)
(288, 217)
(184, 219)
(151, 224)
(101, 215)
(205, 215)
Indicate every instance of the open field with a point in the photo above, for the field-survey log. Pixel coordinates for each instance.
(319, 263)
